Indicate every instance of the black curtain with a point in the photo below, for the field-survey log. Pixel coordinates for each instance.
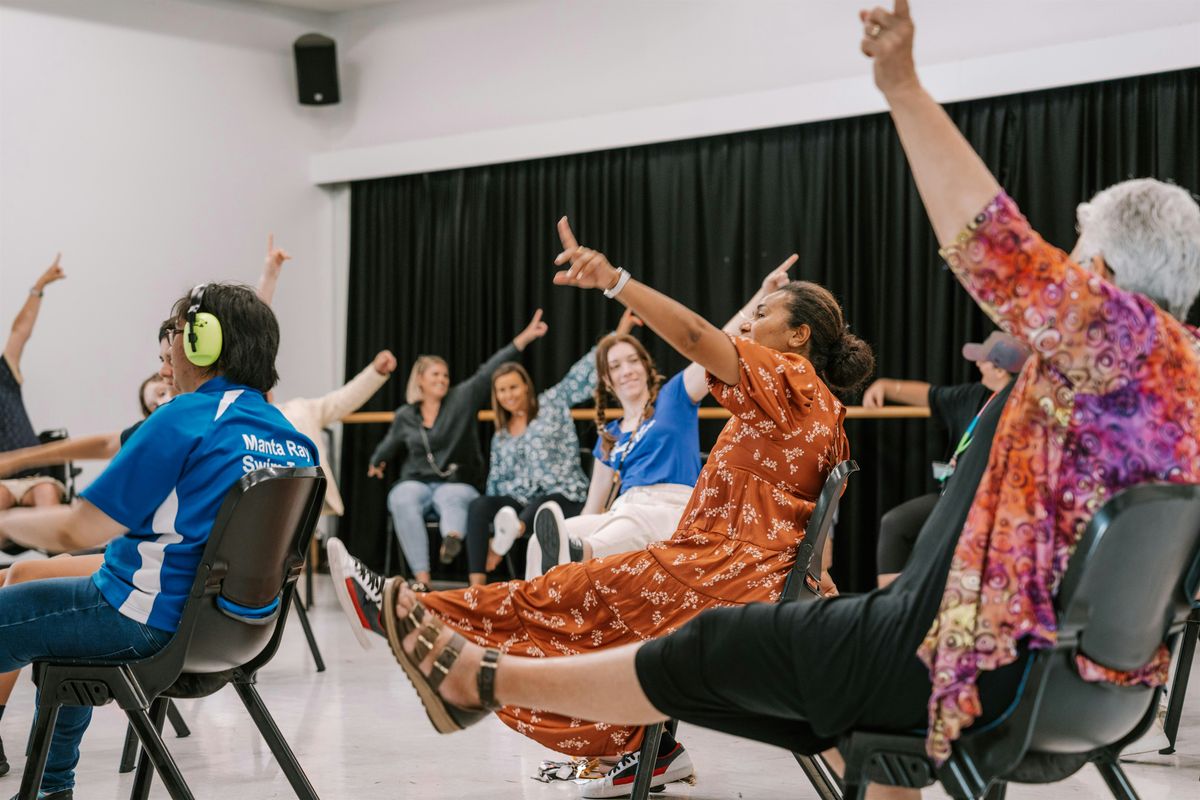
(455, 262)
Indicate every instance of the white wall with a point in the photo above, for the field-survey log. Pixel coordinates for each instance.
(155, 143)
(437, 84)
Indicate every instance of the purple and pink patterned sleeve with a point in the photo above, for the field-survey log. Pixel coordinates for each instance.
(1079, 324)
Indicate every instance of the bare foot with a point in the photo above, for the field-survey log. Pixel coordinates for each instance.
(459, 687)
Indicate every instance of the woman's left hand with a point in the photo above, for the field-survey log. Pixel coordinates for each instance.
(588, 269)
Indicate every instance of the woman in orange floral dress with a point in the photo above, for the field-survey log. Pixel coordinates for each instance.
(737, 538)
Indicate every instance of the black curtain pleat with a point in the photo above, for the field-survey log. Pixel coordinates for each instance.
(455, 262)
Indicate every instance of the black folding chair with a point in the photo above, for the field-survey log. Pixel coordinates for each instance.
(65, 473)
(231, 627)
(801, 585)
(1127, 590)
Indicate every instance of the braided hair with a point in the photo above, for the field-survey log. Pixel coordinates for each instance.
(654, 380)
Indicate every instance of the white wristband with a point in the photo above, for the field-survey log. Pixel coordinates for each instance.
(622, 279)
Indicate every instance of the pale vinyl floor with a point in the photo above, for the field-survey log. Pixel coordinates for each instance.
(360, 732)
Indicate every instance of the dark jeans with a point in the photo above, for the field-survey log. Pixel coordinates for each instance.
(898, 530)
(483, 509)
(68, 618)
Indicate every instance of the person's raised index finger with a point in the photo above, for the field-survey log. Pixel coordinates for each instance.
(787, 264)
(901, 9)
(270, 242)
(57, 257)
(566, 235)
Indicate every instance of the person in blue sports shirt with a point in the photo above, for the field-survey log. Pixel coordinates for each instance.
(155, 505)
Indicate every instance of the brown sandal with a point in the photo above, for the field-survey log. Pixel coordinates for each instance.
(446, 717)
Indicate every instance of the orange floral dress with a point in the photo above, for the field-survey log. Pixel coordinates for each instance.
(736, 543)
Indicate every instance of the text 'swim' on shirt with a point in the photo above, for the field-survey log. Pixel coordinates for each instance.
(272, 447)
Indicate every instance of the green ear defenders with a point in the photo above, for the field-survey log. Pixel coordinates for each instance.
(201, 332)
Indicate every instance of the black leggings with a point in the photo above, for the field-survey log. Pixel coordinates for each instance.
(898, 531)
(483, 509)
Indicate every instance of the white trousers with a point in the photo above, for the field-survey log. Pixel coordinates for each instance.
(641, 515)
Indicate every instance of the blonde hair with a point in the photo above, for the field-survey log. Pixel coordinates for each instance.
(502, 417)
(654, 381)
(413, 393)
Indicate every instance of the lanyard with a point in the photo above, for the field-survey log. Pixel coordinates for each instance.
(965, 441)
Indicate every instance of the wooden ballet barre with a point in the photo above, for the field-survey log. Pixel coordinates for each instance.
(586, 415)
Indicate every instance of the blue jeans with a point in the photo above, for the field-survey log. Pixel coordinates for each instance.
(68, 618)
(410, 501)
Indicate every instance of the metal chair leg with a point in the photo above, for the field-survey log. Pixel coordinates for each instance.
(822, 777)
(39, 751)
(1183, 670)
(308, 634)
(998, 791)
(644, 776)
(129, 751)
(1115, 778)
(154, 750)
(279, 746)
(182, 731)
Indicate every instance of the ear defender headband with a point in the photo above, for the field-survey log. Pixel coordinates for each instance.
(201, 332)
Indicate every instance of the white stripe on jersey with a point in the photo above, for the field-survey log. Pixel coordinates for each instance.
(147, 579)
(226, 401)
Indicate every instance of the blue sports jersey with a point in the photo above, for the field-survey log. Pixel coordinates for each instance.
(168, 482)
(665, 448)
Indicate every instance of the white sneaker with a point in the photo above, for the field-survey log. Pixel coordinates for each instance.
(550, 528)
(359, 592)
(506, 528)
(674, 766)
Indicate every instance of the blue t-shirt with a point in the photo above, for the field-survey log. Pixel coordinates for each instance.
(168, 482)
(666, 447)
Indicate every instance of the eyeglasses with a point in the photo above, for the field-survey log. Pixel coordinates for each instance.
(171, 334)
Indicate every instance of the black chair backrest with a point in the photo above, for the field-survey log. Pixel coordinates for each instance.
(253, 556)
(61, 472)
(1126, 583)
(816, 533)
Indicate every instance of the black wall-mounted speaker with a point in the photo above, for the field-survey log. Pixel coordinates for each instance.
(316, 70)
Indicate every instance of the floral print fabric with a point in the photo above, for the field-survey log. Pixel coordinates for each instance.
(736, 544)
(1107, 401)
(544, 459)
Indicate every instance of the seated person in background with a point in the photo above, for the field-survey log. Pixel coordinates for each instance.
(958, 409)
(32, 487)
(534, 457)
(1108, 401)
(434, 437)
(646, 462)
(736, 541)
(154, 505)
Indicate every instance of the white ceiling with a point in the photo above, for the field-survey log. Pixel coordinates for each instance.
(329, 6)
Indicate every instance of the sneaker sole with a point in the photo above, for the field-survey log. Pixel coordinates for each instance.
(545, 527)
(341, 586)
(661, 778)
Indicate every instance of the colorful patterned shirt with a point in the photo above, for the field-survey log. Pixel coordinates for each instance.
(545, 457)
(1108, 400)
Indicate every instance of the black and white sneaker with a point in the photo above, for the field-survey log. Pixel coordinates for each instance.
(675, 765)
(359, 591)
(550, 529)
(506, 529)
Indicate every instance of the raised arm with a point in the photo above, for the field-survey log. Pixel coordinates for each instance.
(101, 446)
(694, 337)
(358, 390)
(952, 179)
(271, 269)
(22, 327)
(480, 384)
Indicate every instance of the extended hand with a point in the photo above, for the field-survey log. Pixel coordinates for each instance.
(384, 363)
(778, 278)
(873, 397)
(536, 329)
(275, 255)
(588, 269)
(376, 470)
(629, 321)
(53, 273)
(888, 39)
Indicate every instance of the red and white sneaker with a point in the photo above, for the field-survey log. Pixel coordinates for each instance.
(673, 766)
(359, 591)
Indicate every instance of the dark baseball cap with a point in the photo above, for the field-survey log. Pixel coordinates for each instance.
(1007, 352)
